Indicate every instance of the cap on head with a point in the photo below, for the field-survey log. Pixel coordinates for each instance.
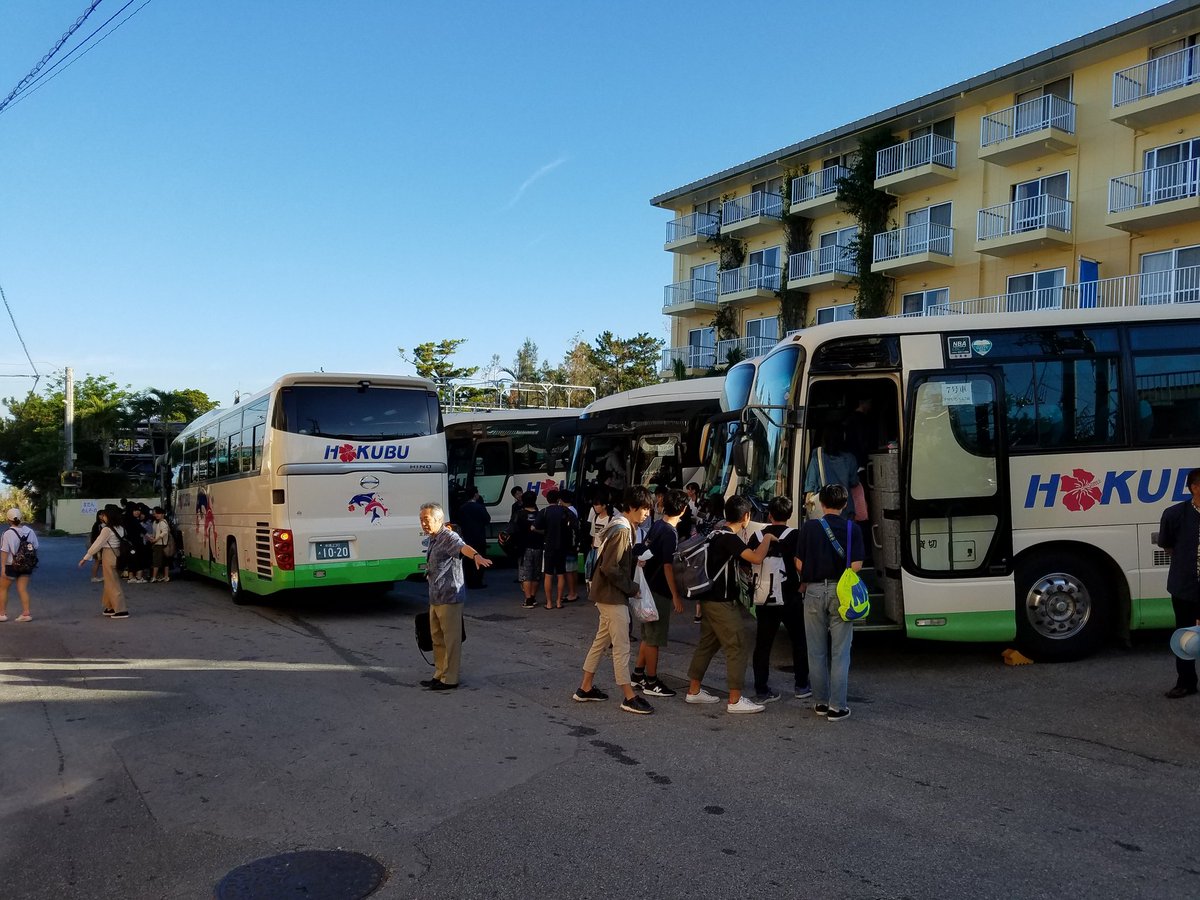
(14, 515)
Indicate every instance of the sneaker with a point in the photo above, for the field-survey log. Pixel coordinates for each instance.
(803, 693)
(138, 580)
(836, 715)
(702, 696)
(165, 579)
(592, 693)
(123, 614)
(3, 618)
(656, 688)
(108, 610)
(24, 618)
(767, 696)
(529, 604)
(637, 705)
(1180, 690)
(821, 709)
(638, 679)
(442, 686)
(97, 581)
(428, 682)
(695, 620)
(746, 706)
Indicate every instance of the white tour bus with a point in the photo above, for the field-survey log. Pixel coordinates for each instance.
(495, 450)
(649, 435)
(1020, 461)
(315, 481)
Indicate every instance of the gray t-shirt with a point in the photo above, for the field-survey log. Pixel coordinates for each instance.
(445, 572)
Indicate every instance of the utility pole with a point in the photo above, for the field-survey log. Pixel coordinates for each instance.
(69, 424)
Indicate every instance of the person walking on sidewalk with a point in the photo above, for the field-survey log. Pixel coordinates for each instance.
(612, 586)
(107, 548)
(11, 544)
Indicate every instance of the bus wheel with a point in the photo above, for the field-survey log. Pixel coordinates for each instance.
(1062, 603)
(233, 575)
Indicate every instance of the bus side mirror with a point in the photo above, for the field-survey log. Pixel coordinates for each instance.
(739, 454)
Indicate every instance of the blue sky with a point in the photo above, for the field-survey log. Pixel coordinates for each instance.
(227, 190)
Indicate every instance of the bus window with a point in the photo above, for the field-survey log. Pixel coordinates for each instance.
(493, 466)
(355, 413)
(1064, 403)
(656, 460)
(1168, 396)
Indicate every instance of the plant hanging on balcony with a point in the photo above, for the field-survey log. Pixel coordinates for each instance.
(872, 209)
(725, 323)
(797, 234)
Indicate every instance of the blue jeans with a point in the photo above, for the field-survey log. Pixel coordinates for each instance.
(828, 671)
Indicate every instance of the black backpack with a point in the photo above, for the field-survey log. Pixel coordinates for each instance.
(25, 560)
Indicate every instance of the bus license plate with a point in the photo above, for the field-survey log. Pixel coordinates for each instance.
(333, 549)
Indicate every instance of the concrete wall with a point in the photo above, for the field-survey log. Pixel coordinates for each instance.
(77, 516)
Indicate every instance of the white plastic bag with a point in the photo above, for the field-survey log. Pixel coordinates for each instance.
(643, 607)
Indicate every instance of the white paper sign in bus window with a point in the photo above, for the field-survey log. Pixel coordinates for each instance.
(957, 394)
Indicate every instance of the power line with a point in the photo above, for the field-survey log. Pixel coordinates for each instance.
(36, 375)
(49, 75)
(53, 50)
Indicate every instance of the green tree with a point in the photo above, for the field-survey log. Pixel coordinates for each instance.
(525, 363)
(624, 363)
(31, 444)
(432, 360)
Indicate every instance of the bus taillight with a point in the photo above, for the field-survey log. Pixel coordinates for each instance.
(285, 551)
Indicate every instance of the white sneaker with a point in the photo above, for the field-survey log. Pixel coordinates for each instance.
(702, 696)
(745, 705)
(97, 581)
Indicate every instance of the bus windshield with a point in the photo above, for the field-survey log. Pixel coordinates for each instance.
(357, 412)
(766, 425)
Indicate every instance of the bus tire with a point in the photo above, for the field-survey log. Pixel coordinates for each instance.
(1062, 606)
(233, 575)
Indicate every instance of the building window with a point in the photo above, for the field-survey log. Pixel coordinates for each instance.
(1034, 116)
(1172, 172)
(704, 283)
(919, 302)
(1036, 290)
(764, 268)
(702, 348)
(1170, 276)
(1032, 210)
(839, 313)
(831, 258)
(770, 186)
(761, 335)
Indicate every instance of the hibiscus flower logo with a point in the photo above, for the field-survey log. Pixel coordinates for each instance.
(1080, 491)
(346, 453)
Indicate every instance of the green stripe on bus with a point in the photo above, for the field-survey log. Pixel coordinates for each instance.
(996, 625)
(332, 574)
(1153, 612)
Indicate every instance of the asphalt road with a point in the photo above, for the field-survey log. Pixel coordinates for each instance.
(147, 758)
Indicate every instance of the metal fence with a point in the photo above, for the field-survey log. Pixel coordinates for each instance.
(753, 277)
(1158, 185)
(1029, 214)
(1047, 111)
(757, 203)
(694, 290)
(929, 148)
(817, 184)
(1174, 70)
(692, 357)
(928, 237)
(822, 261)
(702, 224)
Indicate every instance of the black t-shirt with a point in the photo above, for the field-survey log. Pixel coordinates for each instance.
(554, 521)
(787, 548)
(724, 547)
(527, 538)
(816, 551)
(661, 541)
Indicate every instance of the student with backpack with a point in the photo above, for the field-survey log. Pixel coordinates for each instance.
(721, 624)
(778, 602)
(107, 548)
(554, 525)
(531, 544)
(18, 559)
(821, 558)
(660, 544)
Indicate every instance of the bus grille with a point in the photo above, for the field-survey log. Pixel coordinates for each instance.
(262, 550)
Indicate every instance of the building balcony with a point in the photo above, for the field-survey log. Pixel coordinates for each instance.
(1157, 91)
(816, 194)
(1028, 130)
(753, 214)
(692, 358)
(687, 296)
(827, 267)
(917, 164)
(691, 232)
(748, 347)
(1031, 224)
(749, 283)
(1144, 289)
(917, 248)
(1155, 198)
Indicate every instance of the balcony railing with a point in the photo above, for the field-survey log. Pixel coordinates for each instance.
(928, 237)
(1146, 289)
(817, 184)
(753, 277)
(692, 357)
(1037, 114)
(692, 225)
(758, 203)
(929, 148)
(1175, 70)
(1158, 185)
(1029, 214)
(694, 290)
(749, 346)
(835, 258)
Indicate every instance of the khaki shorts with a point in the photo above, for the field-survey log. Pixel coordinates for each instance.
(655, 633)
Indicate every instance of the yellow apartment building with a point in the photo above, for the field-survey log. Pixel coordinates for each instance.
(1071, 173)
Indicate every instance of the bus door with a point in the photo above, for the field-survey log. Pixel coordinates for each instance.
(956, 522)
(492, 469)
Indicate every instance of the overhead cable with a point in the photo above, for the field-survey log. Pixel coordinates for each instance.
(45, 59)
(12, 318)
